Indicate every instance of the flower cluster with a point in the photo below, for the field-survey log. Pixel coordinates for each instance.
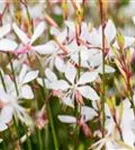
(41, 61)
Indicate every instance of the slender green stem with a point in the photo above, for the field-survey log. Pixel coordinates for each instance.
(38, 132)
(39, 137)
(49, 112)
(16, 128)
(46, 135)
(28, 138)
(2, 80)
(103, 61)
(13, 72)
(52, 126)
(78, 107)
(17, 92)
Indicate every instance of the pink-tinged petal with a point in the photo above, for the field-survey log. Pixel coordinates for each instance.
(110, 31)
(84, 31)
(59, 64)
(70, 73)
(3, 96)
(59, 85)
(26, 92)
(4, 30)
(88, 93)
(67, 119)
(29, 77)
(6, 114)
(88, 112)
(48, 48)
(87, 77)
(7, 45)
(38, 32)
(22, 36)
(50, 75)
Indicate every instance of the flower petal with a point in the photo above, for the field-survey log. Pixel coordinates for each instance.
(30, 76)
(22, 36)
(26, 92)
(59, 64)
(67, 119)
(59, 85)
(88, 112)
(44, 49)
(50, 75)
(70, 73)
(7, 45)
(88, 93)
(87, 77)
(110, 31)
(108, 69)
(4, 30)
(38, 31)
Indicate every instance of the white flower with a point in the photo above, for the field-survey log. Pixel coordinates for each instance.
(52, 58)
(9, 107)
(6, 44)
(74, 86)
(95, 37)
(22, 80)
(28, 43)
(50, 78)
(78, 53)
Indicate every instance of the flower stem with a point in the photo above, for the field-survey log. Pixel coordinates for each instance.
(13, 72)
(49, 112)
(102, 15)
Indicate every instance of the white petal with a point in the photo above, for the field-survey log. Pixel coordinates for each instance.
(88, 92)
(129, 41)
(108, 69)
(70, 73)
(59, 64)
(3, 126)
(22, 36)
(3, 96)
(67, 119)
(4, 30)
(59, 85)
(50, 75)
(7, 45)
(38, 32)
(30, 76)
(110, 31)
(6, 114)
(44, 49)
(84, 31)
(23, 72)
(87, 77)
(68, 101)
(84, 53)
(88, 112)
(26, 92)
